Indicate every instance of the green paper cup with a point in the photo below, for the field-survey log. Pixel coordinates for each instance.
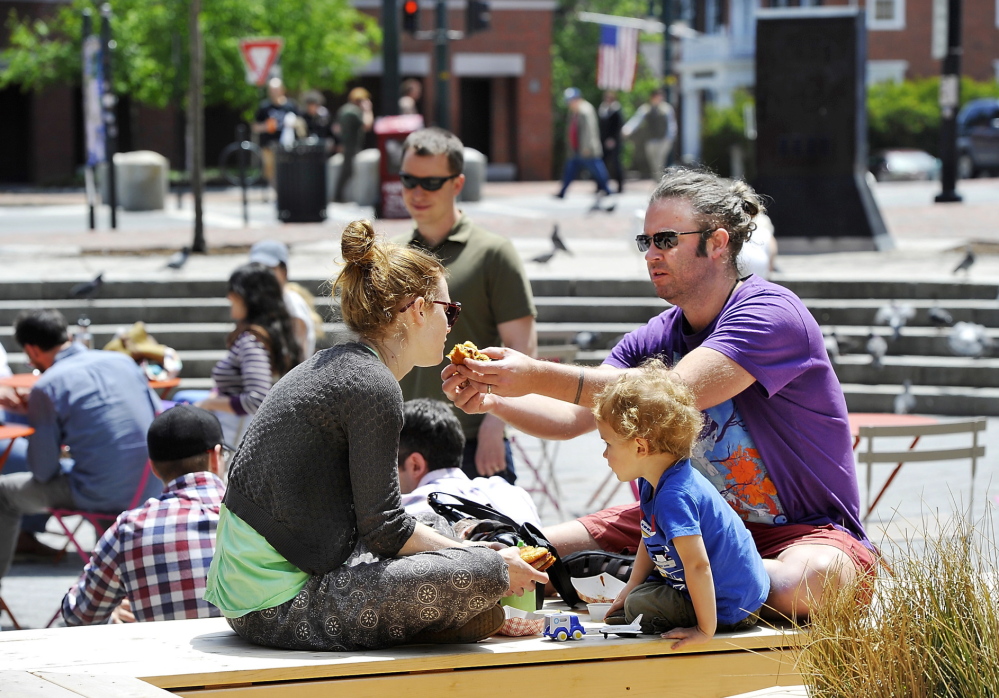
(527, 602)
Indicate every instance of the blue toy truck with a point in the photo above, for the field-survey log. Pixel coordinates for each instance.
(561, 626)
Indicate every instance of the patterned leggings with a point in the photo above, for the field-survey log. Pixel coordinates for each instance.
(368, 603)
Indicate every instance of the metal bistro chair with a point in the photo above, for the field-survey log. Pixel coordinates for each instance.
(871, 456)
(542, 466)
(101, 523)
(99, 520)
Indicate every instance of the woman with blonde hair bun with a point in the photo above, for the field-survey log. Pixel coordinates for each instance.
(314, 550)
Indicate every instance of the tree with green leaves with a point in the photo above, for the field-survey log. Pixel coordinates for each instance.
(324, 41)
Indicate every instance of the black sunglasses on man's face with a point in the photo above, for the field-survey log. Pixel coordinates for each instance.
(428, 183)
(665, 239)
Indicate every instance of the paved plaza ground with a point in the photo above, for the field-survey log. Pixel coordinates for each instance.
(43, 236)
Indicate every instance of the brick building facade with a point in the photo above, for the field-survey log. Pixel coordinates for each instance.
(499, 83)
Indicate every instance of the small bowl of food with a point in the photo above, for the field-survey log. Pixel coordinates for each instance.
(598, 611)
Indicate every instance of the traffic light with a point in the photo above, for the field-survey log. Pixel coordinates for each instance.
(477, 17)
(411, 16)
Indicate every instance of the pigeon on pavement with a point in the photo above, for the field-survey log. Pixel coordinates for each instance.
(965, 264)
(905, 402)
(179, 259)
(877, 347)
(939, 317)
(544, 257)
(584, 340)
(557, 241)
(895, 315)
(88, 289)
(969, 339)
(832, 345)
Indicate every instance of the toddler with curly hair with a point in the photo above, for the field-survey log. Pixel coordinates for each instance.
(708, 575)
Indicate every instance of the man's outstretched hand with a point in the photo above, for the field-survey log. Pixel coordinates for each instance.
(509, 374)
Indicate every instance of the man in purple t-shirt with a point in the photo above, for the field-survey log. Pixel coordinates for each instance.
(777, 441)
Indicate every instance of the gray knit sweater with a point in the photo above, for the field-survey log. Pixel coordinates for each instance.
(317, 468)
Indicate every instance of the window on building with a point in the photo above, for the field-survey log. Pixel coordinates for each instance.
(886, 71)
(886, 14)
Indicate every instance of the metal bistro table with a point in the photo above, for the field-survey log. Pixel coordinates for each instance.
(26, 381)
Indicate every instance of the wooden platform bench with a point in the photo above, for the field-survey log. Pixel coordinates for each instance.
(206, 659)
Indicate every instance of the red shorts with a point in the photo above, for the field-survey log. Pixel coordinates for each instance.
(617, 530)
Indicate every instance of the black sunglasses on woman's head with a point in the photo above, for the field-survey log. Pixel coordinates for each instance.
(451, 310)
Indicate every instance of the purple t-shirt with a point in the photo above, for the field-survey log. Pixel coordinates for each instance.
(780, 452)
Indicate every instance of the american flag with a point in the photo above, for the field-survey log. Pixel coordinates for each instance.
(617, 57)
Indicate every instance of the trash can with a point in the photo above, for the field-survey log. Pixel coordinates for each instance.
(391, 132)
(301, 182)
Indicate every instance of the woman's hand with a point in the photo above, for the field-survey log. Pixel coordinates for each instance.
(465, 394)
(522, 575)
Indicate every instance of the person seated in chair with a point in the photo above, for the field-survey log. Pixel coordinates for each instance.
(156, 557)
(430, 452)
(95, 407)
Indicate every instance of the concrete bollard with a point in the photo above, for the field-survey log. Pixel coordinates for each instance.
(475, 175)
(141, 180)
(362, 188)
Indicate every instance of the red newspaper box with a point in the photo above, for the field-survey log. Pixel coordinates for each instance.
(391, 132)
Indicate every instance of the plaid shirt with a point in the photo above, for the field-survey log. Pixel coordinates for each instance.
(157, 556)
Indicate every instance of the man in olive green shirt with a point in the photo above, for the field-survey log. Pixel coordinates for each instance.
(485, 275)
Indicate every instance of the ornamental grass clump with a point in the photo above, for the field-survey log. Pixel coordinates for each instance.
(932, 628)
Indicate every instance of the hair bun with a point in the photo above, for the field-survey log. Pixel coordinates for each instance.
(357, 243)
(750, 201)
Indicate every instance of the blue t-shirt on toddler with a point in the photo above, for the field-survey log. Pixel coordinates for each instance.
(684, 503)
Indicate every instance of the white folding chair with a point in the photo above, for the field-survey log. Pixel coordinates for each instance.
(871, 456)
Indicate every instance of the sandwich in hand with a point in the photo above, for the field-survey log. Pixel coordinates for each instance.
(538, 558)
(466, 351)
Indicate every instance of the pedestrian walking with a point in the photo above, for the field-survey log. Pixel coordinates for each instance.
(657, 120)
(353, 120)
(611, 121)
(582, 140)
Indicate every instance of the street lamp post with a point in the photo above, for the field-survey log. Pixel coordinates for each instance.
(442, 114)
(667, 20)
(950, 94)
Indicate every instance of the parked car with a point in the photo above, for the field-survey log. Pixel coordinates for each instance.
(904, 164)
(978, 138)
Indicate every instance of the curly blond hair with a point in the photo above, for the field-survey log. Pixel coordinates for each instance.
(378, 278)
(651, 405)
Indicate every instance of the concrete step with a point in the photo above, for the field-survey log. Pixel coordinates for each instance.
(605, 334)
(888, 289)
(913, 341)
(552, 309)
(846, 311)
(803, 287)
(951, 371)
(951, 401)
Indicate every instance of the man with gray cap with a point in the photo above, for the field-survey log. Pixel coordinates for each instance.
(156, 557)
(274, 254)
